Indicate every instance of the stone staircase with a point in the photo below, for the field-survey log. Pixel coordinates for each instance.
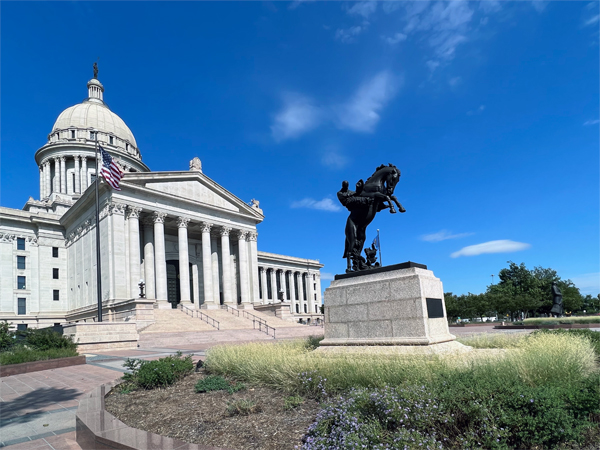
(173, 320)
(274, 321)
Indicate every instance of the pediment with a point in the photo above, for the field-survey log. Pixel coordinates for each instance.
(193, 190)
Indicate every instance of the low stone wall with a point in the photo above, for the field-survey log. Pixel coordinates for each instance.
(98, 429)
(36, 366)
(551, 327)
(97, 336)
(140, 310)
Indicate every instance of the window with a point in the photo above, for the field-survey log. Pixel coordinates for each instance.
(21, 262)
(21, 326)
(55, 252)
(55, 274)
(314, 278)
(20, 282)
(20, 243)
(21, 306)
(55, 294)
(127, 147)
(110, 140)
(305, 309)
(92, 178)
(92, 135)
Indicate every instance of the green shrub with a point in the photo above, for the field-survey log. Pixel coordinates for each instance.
(7, 337)
(20, 354)
(242, 407)
(292, 402)
(46, 339)
(313, 342)
(158, 373)
(217, 383)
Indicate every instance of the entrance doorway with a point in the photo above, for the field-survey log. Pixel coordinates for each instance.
(173, 286)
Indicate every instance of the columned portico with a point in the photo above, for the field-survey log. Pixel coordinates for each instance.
(56, 183)
(243, 267)
(83, 175)
(274, 285)
(264, 286)
(77, 187)
(184, 260)
(226, 262)
(253, 267)
(207, 277)
(160, 262)
(293, 298)
(48, 177)
(149, 259)
(133, 215)
(63, 175)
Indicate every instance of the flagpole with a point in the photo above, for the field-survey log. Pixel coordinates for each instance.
(379, 241)
(98, 271)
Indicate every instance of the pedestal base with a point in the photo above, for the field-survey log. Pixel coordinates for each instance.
(433, 349)
(404, 306)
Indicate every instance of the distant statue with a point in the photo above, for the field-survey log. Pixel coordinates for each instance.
(371, 254)
(557, 301)
(96, 70)
(370, 197)
(196, 164)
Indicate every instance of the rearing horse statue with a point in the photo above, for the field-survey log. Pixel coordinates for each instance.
(370, 197)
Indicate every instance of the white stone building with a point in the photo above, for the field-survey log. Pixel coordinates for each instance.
(159, 226)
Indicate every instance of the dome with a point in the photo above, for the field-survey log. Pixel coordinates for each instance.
(94, 115)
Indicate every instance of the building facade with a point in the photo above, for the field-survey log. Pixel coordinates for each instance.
(187, 238)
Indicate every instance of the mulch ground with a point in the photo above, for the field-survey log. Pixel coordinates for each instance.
(202, 418)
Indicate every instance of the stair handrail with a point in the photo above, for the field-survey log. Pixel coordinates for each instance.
(264, 325)
(253, 317)
(234, 311)
(209, 320)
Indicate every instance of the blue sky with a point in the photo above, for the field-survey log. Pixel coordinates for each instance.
(489, 109)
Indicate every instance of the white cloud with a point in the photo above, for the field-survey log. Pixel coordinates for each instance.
(539, 5)
(361, 113)
(398, 37)
(297, 116)
(442, 236)
(322, 205)
(364, 9)
(588, 283)
(477, 111)
(326, 276)
(501, 246)
(592, 20)
(390, 7)
(453, 82)
(490, 6)
(333, 158)
(591, 122)
(348, 35)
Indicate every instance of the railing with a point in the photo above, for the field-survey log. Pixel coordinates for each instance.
(234, 311)
(252, 317)
(209, 320)
(262, 326)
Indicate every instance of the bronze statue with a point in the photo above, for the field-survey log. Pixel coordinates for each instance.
(96, 70)
(557, 300)
(370, 197)
(371, 254)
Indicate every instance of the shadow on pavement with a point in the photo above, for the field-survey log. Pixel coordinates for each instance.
(37, 399)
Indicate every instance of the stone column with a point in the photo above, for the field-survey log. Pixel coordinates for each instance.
(133, 215)
(273, 285)
(293, 298)
(48, 176)
(63, 175)
(253, 260)
(184, 260)
(243, 267)
(77, 187)
(196, 286)
(160, 261)
(214, 258)
(149, 259)
(263, 279)
(42, 182)
(309, 292)
(84, 178)
(56, 184)
(318, 302)
(207, 277)
(226, 262)
(300, 290)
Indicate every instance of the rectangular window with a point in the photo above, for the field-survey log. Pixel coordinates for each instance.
(72, 134)
(21, 326)
(22, 306)
(55, 274)
(55, 294)
(55, 252)
(20, 282)
(110, 140)
(92, 178)
(21, 262)
(92, 135)
(20, 243)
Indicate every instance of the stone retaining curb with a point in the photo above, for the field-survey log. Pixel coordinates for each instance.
(97, 429)
(36, 366)
(537, 327)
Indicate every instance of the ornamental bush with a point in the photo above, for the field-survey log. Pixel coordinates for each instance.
(217, 383)
(46, 339)
(159, 373)
(6, 336)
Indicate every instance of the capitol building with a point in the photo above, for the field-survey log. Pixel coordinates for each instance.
(191, 241)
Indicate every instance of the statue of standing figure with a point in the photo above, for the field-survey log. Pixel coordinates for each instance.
(96, 70)
(557, 301)
(370, 197)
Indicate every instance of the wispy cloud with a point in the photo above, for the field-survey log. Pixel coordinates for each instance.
(322, 205)
(348, 35)
(453, 82)
(298, 115)
(396, 38)
(591, 122)
(443, 235)
(592, 20)
(477, 111)
(332, 157)
(588, 283)
(364, 9)
(539, 5)
(361, 113)
(501, 246)
(490, 6)
(326, 276)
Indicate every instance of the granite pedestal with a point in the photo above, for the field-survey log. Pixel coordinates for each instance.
(400, 305)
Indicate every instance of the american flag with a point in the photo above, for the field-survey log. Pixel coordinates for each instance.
(110, 171)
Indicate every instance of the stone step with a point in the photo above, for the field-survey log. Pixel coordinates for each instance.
(173, 320)
(274, 321)
(227, 320)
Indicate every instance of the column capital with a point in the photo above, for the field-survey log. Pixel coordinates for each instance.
(159, 217)
(241, 234)
(117, 208)
(206, 227)
(63, 159)
(133, 212)
(182, 222)
(224, 231)
(147, 221)
(76, 158)
(252, 235)
(56, 159)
